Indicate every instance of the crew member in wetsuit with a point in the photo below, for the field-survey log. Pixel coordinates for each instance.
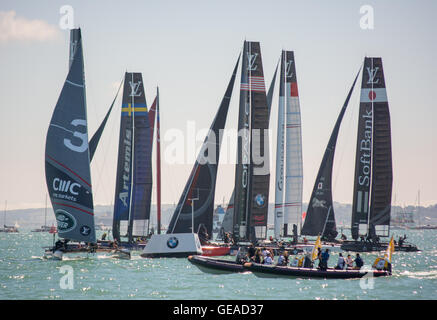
(203, 235)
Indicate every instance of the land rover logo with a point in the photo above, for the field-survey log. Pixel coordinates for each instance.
(172, 242)
(260, 200)
(85, 230)
(66, 222)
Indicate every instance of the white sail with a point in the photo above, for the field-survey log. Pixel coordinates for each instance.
(294, 167)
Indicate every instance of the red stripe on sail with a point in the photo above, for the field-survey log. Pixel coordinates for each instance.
(293, 89)
(68, 169)
(70, 206)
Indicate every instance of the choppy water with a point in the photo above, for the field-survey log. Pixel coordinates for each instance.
(25, 275)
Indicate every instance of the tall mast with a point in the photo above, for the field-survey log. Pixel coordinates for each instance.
(45, 213)
(280, 145)
(158, 163)
(4, 216)
(131, 217)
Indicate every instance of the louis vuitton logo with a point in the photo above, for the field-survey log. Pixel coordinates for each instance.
(251, 58)
(134, 87)
(372, 74)
(288, 71)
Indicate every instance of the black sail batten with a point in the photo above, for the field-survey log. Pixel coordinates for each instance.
(202, 180)
(382, 171)
(98, 134)
(252, 169)
(320, 218)
(67, 162)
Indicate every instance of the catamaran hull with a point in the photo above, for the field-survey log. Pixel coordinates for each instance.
(172, 245)
(268, 271)
(214, 251)
(371, 247)
(215, 266)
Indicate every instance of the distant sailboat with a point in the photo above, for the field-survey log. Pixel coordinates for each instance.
(45, 227)
(7, 228)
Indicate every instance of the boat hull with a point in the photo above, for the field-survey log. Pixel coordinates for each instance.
(172, 245)
(214, 251)
(372, 247)
(269, 271)
(216, 266)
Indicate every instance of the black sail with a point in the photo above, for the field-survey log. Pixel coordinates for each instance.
(382, 171)
(252, 169)
(202, 180)
(320, 219)
(134, 176)
(75, 40)
(260, 163)
(227, 223)
(67, 162)
(98, 134)
(371, 91)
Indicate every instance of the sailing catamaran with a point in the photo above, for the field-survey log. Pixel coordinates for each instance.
(134, 175)
(67, 158)
(373, 182)
(373, 170)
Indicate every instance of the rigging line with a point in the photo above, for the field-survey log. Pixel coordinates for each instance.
(335, 180)
(100, 169)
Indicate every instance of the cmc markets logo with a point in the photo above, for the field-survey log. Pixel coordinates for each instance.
(66, 222)
(260, 200)
(66, 186)
(172, 242)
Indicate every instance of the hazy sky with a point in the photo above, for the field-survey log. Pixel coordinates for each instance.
(189, 49)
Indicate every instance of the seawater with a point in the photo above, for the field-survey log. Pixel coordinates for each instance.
(24, 274)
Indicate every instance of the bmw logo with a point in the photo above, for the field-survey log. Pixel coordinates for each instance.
(260, 200)
(85, 230)
(172, 242)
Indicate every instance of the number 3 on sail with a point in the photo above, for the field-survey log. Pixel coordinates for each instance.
(82, 136)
